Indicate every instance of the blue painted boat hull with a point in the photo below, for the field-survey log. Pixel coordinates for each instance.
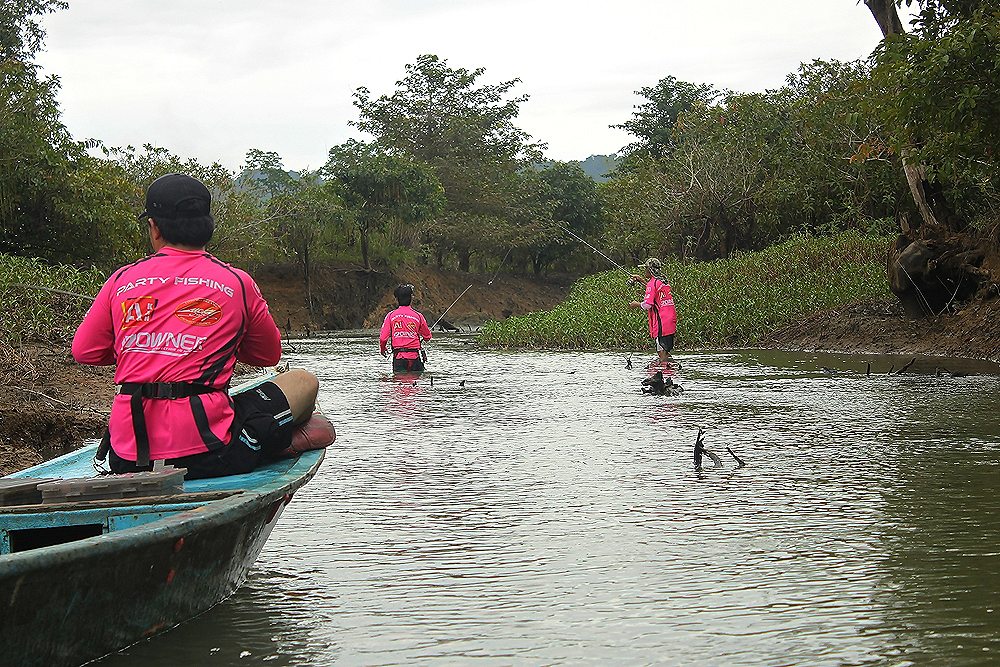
(170, 561)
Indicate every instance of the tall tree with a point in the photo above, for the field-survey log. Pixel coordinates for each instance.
(465, 132)
(266, 173)
(56, 201)
(653, 121)
(380, 189)
(574, 207)
(305, 213)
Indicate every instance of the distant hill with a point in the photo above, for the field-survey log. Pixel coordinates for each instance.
(252, 179)
(598, 167)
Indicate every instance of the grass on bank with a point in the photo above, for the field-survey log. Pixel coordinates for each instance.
(35, 306)
(726, 303)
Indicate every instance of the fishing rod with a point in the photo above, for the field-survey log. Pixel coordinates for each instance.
(449, 307)
(50, 289)
(470, 287)
(584, 241)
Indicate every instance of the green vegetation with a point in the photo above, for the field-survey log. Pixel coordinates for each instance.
(729, 302)
(906, 140)
(36, 300)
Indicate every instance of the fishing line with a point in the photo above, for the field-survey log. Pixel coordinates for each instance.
(631, 276)
(501, 266)
(470, 287)
(449, 307)
(583, 241)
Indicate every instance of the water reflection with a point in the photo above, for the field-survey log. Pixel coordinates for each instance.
(538, 508)
(268, 621)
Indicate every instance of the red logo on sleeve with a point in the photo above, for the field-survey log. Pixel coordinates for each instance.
(137, 310)
(199, 312)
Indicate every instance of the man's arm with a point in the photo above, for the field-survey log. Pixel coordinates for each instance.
(383, 335)
(425, 331)
(94, 340)
(650, 297)
(261, 344)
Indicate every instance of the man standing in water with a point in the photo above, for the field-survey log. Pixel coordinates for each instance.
(659, 306)
(174, 324)
(404, 329)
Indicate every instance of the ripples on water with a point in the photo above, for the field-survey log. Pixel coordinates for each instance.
(548, 513)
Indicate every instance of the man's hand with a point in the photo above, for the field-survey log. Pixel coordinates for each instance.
(636, 278)
(634, 304)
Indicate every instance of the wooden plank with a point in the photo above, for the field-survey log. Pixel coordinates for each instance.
(176, 499)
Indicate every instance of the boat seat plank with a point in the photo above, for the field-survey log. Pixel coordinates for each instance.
(198, 497)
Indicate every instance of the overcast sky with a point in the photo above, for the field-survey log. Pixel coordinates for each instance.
(211, 79)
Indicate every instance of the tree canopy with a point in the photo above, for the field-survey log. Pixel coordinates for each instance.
(464, 131)
(381, 189)
(906, 140)
(56, 201)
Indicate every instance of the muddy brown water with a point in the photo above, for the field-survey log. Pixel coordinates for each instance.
(548, 513)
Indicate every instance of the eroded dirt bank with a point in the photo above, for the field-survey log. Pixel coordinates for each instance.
(881, 327)
(50, 403)
(350, 299)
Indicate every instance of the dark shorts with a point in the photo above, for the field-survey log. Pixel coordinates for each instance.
(262, 428)
(665, 343)
(407, 365)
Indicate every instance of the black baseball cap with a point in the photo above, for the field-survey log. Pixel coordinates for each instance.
(177, 196)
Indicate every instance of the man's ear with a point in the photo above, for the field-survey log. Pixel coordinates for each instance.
(154, 231)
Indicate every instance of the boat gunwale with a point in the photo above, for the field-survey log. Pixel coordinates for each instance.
(205, 516)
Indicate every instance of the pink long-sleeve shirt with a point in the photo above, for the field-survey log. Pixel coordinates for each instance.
(659, 306)
(176, 316)
(403, 328)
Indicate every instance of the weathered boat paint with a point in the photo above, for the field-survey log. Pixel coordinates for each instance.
(154, 565)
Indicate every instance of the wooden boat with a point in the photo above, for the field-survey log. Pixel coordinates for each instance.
(82, 576)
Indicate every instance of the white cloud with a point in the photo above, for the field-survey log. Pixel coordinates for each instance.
(213, 78)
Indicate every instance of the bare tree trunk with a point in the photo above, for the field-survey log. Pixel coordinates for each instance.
(886, 16)
(932, 264)
(888, 21)
(307, 271)
(364, 247)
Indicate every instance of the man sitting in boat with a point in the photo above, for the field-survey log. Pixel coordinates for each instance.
(175, 323)
(404, 329)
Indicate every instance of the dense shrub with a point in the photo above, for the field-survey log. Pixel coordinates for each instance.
(41, 301)
(727, 302)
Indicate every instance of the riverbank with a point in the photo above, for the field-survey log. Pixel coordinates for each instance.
(881, 327)
(347, 298)
(50, 403)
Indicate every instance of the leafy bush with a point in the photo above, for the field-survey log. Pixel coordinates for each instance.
(728, 302)
(41, 301)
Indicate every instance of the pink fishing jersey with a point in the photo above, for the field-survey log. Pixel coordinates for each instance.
(176, 317)
(404, 328)
(659, 306)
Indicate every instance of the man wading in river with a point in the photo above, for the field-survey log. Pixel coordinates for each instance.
(174, 324)
(404, 329)
(659, 306)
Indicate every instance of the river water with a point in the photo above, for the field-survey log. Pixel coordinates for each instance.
(546, 512)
